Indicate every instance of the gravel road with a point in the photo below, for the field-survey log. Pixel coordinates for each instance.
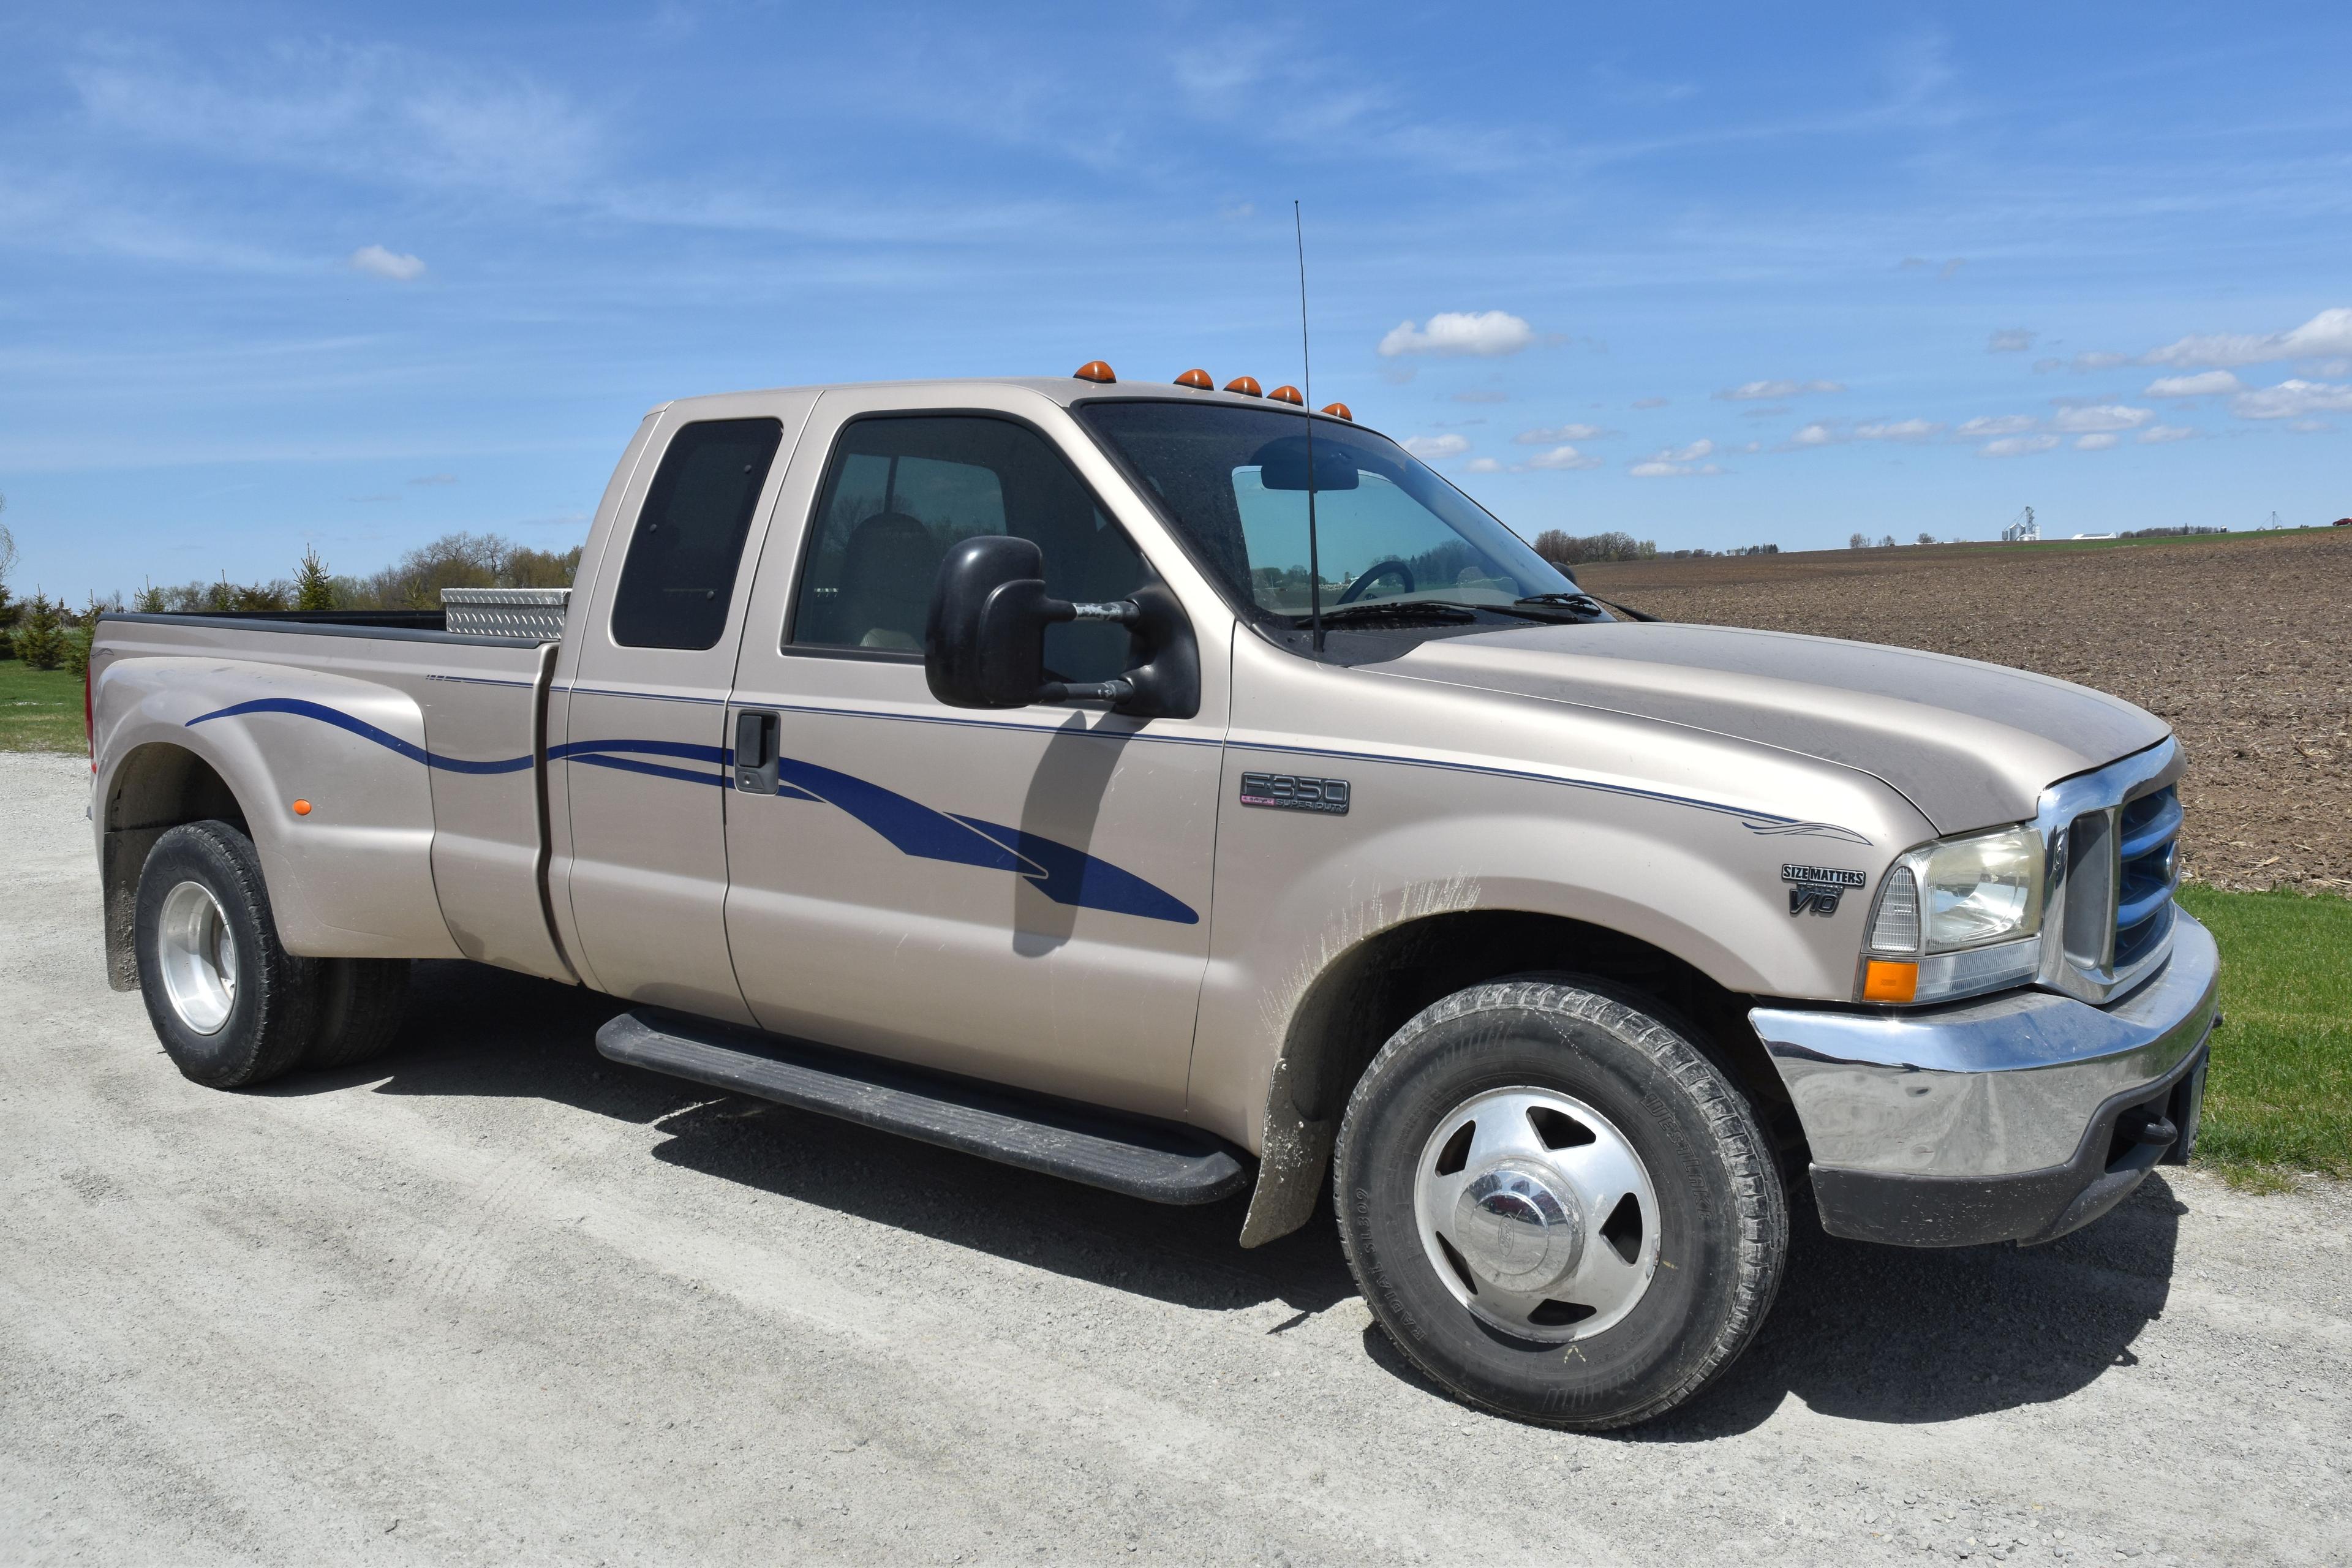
(494, 1300)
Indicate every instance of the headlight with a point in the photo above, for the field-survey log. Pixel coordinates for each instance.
(1956, 918)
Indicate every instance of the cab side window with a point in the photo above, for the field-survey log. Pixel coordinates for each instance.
(680, 573)
(901, 492)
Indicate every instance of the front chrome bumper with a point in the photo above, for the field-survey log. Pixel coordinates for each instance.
(1990, 1120)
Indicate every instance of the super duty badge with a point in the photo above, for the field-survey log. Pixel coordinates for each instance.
(1818, 888)
(1290, 792)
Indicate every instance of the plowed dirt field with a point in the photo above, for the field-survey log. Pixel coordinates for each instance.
(2242, 643)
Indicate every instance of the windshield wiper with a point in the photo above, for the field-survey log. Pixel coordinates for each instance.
(1403, 610)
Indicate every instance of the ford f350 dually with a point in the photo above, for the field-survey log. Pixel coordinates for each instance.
(1189, 793)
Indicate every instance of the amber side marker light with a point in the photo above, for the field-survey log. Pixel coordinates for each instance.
(1287, 395)
(1199, 380)
(1244, 384)
(302, 808)
(1095, 369)
(1884, 982)
(1340, 411)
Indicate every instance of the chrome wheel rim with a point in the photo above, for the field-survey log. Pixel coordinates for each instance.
(197, 953)
(1537, 1214)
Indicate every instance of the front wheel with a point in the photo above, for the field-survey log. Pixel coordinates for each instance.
(1556, 1206)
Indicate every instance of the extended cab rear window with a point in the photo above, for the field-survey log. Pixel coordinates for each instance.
(680, 575)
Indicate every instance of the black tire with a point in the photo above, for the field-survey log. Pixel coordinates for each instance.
(273, 1013)
(1723, 1224)
(361, 1001)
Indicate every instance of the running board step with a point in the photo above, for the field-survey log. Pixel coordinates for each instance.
(1142, 1160)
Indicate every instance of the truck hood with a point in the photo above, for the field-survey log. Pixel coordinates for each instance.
(1970, 745)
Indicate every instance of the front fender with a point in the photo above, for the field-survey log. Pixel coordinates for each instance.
(350, 879)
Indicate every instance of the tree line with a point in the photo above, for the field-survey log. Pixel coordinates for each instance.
(49, 634)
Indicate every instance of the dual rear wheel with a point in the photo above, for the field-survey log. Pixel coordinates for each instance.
(230, 1004)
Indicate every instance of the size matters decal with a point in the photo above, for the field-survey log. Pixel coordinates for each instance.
(1818, 888)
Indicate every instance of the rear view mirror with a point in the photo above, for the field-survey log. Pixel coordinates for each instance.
(1281, 464)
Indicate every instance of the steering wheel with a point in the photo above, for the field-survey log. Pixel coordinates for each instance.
(1389, 568)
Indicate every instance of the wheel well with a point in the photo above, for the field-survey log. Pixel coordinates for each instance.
(156, 788)
(1370, 992)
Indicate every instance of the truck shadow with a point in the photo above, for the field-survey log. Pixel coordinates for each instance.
(1898, 1335)
(1867, 1334)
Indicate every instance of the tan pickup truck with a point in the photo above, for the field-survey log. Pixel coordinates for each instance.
(1188, 792)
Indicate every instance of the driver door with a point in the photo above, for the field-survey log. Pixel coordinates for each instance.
(1021, 896)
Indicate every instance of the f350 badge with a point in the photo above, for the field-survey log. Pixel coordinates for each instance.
(1290, 792)
(1818, 888)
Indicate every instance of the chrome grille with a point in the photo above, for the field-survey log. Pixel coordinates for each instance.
(2113, 839)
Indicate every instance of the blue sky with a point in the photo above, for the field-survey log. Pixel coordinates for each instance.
(278, 275)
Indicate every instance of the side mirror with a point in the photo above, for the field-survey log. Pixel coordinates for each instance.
(985, 637)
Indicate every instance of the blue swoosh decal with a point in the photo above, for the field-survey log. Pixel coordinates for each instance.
(1063, 873)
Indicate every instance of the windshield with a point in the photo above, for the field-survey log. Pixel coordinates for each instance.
(1388, 530)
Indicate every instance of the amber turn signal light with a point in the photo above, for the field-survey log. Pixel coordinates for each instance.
(1244, 384)
(1198, 380)
(1341, 411)
(1095, 369)
(302, 808)
(1287, 395)
(1884, 982)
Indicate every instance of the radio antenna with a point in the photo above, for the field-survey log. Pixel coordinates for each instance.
(1307, 377)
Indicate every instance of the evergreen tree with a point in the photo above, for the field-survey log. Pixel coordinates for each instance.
(151, 601)
(41, 639)
(313, 589)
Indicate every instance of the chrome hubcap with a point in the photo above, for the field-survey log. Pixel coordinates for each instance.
(198, 957)
(1537, 1214)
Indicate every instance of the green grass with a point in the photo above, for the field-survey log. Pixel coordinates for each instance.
(40, 710)
(2278, 1098)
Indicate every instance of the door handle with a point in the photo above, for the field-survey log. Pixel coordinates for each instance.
(756, 736)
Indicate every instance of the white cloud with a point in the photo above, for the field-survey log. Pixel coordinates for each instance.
(1429, 448)
(2327, 333)
(2293, 400)
(377, 262)
(1674, 462)
(1766, 391)
(2098, 443)
(1482, 332)
(1651, 402)
(1995, 424)
(2155, 435)
(1560, 432)
(1482, 466)
(1897, 430)
(1558, 459)
(2203, 384)
(2011, 340)
(2100, 417)
(2017, 446)
(1814, 436)
(434, 479)
(376, 112)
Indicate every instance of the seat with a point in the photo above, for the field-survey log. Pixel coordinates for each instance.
(887, 572)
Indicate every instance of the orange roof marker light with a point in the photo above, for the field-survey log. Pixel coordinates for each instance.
(1244, 384)
(302, 808)
(1287, 395)
(1198, 380)
(1340, 411)
(1095, 369)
